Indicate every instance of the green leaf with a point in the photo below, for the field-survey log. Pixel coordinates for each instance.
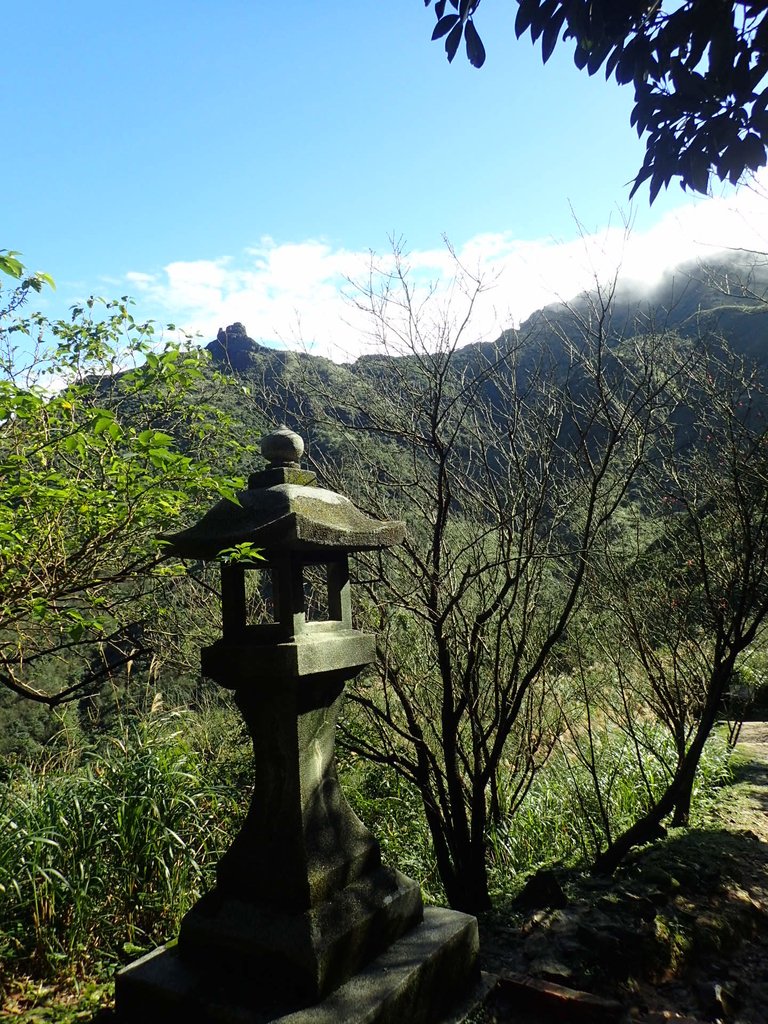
(161, 456)
(104, 421)
(9, 264)
(243, 552)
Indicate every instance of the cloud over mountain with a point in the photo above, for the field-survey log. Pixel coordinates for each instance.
(301, 294)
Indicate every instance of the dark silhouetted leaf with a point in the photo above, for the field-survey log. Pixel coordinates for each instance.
(549, 38)
(475, 48)
(753, 152)
(625, 68)
(645, 172)
(697, 67)
(445, 25)
(525, 15)
(698, 172)
(657, 180)
(612, 61)
(453, 39)
(596, 57)
(759, 122)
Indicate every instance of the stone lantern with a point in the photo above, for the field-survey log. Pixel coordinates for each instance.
(305, 923)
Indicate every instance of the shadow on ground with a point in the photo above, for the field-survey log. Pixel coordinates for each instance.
(681, 928)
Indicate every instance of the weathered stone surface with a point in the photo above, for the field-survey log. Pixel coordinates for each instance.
(300, 842)
(548, 969)
(274, 475)
(233, 664)
(310, 952)
(415, 981)
(289, 517)
(282, 447)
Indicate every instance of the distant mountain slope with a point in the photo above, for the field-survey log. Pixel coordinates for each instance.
(726, 300)
(726, 297)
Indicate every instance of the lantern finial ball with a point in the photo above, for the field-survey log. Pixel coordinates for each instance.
(282, 447)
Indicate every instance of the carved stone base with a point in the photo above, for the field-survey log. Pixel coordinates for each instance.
(311, 952)
(417, 979)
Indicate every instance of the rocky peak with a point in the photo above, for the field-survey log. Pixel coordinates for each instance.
(233, 347)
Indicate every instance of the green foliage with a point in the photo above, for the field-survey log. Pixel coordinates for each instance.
(513, 469)
(531, 474)
(104, 847)
(14, 268)
(9, 264)
(570, 810)
(243, 553)
(392, 810)
(534, 494)
(748, 690)
(107, 436)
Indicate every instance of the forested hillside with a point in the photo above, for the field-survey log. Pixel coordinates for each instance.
(721, 306)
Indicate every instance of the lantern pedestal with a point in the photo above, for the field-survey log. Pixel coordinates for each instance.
(419, 978)
(302, 899)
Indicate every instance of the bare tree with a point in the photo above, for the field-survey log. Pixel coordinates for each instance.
(685, 602)
(510, 463)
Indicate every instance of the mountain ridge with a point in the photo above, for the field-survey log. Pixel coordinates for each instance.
(723, 298)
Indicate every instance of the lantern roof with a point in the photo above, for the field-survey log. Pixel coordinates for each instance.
(283, 509)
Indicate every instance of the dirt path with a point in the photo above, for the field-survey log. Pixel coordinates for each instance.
(753, 742)
(680, 934)
(739, 899)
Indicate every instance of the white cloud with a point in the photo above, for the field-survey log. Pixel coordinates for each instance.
(292, 294)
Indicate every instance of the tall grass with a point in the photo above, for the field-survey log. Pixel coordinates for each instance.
(101, 859)
(392, 810)
(103, 850)
(570, 807)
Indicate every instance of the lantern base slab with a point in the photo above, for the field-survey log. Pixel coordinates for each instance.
(311, 953)
(417, 979)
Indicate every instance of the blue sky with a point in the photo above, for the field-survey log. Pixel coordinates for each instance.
(202, 156)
